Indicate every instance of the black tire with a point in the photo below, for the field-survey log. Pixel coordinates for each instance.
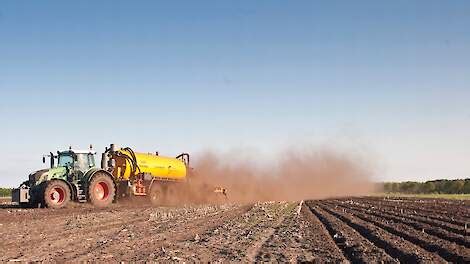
(157, 195)
(56, 194)
(174, 194)
(101, 190)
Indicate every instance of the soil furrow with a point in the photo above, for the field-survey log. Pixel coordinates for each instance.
(394, 245)
(447, 250)
(430, 206)
(444, 219)
(460, 239)
(355, 247)
(319, 242)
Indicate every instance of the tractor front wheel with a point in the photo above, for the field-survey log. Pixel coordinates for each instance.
(101, 190)
(56, 194)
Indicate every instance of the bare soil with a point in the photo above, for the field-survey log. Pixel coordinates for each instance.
(358, 230)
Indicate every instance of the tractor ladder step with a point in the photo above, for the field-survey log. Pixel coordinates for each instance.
(81, 195)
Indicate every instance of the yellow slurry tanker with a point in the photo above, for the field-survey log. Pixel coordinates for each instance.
(123, 173)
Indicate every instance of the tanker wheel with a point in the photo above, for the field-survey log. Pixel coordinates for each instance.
(156, 195)
(101, 190)
(56, 194)
(173, 194)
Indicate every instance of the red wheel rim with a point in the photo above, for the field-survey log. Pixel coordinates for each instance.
(102, 191)
(57, 195)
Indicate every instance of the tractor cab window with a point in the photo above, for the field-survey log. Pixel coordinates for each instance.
(91, 160)
(65, 160)
(84, 161)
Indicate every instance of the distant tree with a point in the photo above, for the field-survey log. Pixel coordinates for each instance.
(427, 187)
(395, 187)
(5, 192)
(466, 186)
(387, 187)
(439, 186)
(447, 187)
(457, 186)
(409, 187)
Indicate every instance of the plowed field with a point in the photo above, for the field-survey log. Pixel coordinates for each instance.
(359, 230)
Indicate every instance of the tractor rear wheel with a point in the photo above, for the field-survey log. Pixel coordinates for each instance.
(56, 194)
(101, 190)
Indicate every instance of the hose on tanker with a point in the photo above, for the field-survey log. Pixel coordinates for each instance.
(131, 158)
(132, 163)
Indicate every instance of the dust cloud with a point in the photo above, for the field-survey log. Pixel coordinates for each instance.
(293, 175)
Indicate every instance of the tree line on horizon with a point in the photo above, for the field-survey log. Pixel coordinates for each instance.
(5, 192)
(460, 186)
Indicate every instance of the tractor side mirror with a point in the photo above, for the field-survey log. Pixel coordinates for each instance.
(43, 159)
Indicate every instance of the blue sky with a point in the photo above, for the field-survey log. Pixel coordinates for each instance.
(388, 82)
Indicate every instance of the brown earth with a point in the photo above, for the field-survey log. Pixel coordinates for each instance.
(359, 230)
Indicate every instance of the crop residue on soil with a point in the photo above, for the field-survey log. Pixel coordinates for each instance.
(346, 230)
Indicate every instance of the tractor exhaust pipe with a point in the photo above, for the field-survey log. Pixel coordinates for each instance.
(104, 161)
(52, 159)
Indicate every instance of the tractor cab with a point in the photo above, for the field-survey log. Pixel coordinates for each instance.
(81, 160)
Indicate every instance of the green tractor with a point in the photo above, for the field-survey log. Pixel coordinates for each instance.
(74, 176)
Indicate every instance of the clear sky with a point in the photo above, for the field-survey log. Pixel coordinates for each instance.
(385, 80)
